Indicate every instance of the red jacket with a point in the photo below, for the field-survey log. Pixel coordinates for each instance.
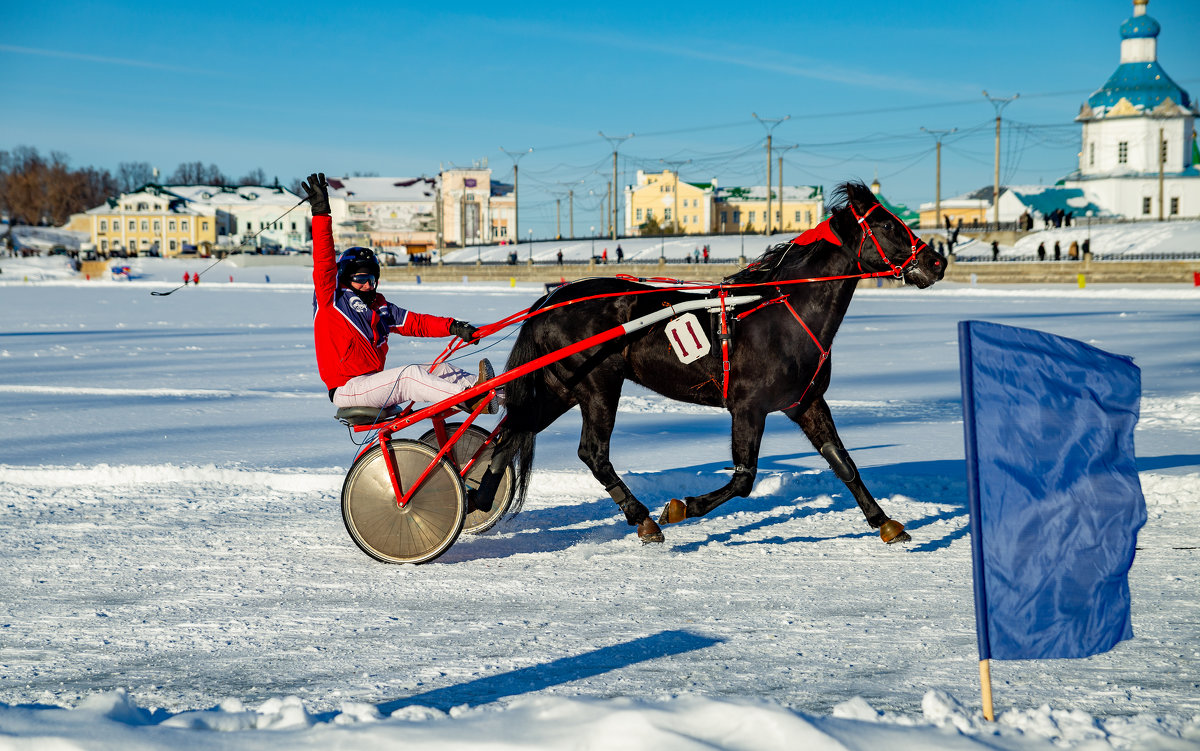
(351, 336)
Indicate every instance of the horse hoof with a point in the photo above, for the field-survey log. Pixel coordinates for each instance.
(648, 531)
(893, 531)
(674, 512)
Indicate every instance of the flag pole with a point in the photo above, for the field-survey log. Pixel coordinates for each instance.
(985, 684)
(966, 372)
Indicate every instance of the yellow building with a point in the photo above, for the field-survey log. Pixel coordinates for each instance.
(744, 210)
(662, 202)
(972, 209)
(149, 221)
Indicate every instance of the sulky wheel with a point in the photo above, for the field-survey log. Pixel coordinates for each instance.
(421, 531)
(478, 521)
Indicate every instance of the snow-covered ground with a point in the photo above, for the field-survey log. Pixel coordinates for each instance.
(176, 572)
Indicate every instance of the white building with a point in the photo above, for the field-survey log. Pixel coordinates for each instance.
(251, 217)
(1137, 149)
(414, 215)
(396, 215)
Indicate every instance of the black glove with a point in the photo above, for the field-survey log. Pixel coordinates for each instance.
(318, 193)
(464, 331)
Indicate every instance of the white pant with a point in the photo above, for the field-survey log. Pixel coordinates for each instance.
(409, 383)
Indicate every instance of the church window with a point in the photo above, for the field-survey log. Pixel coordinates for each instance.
(639, 215)
(1163, 152)
(1174, 206)
(1092, 154)
(1146, 207)
(104, 225)
(1123, 152)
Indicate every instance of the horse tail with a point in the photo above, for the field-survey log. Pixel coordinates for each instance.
(530, 407)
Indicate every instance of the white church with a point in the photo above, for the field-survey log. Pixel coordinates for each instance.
(1137, 153)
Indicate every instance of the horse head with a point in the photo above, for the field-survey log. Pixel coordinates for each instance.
(879, 240)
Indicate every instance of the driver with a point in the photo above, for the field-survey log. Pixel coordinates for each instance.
(351, 323)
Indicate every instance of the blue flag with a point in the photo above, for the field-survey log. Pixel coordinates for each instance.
(1054, 494)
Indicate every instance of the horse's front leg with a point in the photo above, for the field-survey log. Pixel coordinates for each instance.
(817, 424)
(748, 427)
(599, 409)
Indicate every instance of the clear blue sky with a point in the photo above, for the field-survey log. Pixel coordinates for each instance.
(401, 89)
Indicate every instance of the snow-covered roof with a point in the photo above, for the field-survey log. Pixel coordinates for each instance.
(176, 203)
(759, 193)
(398, 189)
(243, 195)
(1045, 199)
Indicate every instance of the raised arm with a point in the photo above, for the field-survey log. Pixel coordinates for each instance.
(324, 261)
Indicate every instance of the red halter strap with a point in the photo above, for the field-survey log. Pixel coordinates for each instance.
(915, 243)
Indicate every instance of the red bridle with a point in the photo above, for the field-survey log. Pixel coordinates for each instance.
(915, 243)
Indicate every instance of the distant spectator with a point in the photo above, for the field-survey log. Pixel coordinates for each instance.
(706, 254)
(995, 250)
(1057, 251)
(1087, 247)
(560, 257)
(604, 256)
(187, 278)
(1073, 251)
(1041, 251)
(620, 254)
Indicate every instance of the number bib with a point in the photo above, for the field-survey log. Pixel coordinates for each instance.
(687, 338)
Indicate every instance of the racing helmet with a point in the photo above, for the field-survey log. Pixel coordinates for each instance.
(355, 260)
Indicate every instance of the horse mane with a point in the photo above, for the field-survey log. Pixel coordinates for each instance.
(761, 268)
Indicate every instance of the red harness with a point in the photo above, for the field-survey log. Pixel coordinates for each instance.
(822, 231)
(915, 243)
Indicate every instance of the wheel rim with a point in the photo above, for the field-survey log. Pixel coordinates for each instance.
(420, 531)
(477, 521)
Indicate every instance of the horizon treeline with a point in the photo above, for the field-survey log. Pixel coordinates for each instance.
(45, 190)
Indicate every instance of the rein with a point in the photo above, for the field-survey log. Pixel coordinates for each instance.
(821, 232)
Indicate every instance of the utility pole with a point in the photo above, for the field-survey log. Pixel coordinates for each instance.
(937, 195)
(782, 150)
(570, 204)
(999, 103)
(675, 188)
(516, 157)
(1162, 159)
(769, 124)
(616, 142)
(557, 218)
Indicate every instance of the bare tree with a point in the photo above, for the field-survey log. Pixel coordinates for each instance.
(133, 175)
(37, 190)
(255, 176)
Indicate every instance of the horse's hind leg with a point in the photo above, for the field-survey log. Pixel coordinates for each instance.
(817, 424)
(599, 408)
(748, 425)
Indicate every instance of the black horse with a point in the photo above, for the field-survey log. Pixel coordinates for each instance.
(777, 359)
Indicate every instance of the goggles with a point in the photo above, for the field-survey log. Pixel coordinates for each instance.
(363, 278)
